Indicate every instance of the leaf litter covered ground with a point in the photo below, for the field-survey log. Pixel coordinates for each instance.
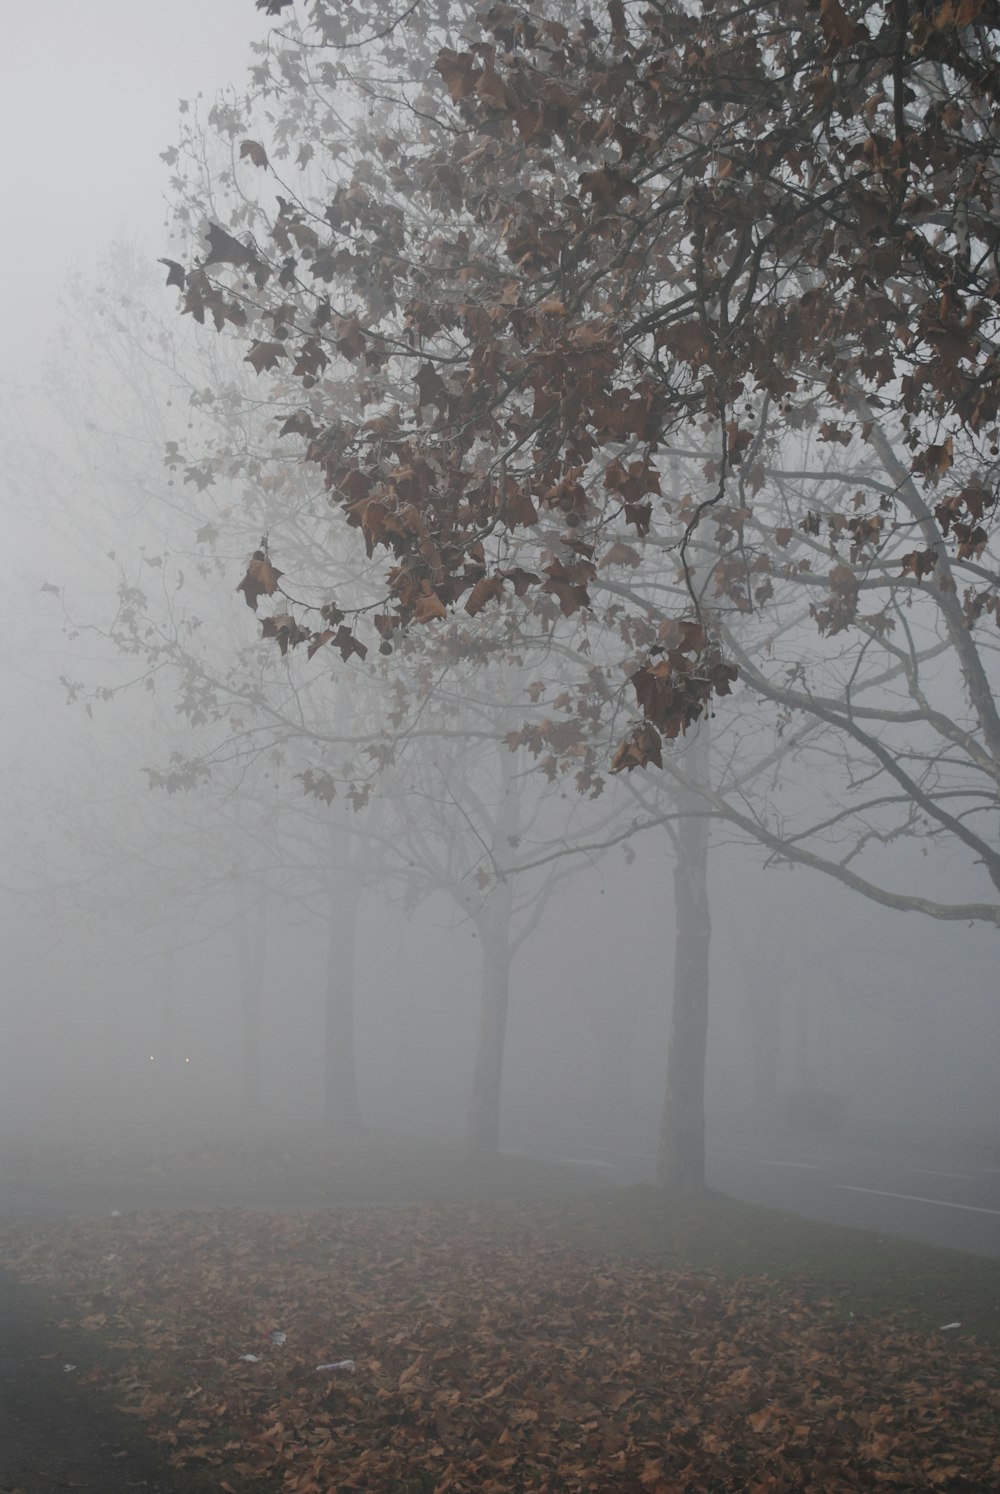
(493, 1357)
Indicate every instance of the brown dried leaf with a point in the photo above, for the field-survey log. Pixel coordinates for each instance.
(261, 579)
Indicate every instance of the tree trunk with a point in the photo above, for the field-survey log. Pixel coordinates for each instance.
(341, 1106)
(493, 928)
(681, 1159)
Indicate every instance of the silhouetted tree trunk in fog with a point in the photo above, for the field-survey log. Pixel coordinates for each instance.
(493, 929)
(341, 1107)
(251, 945)
(681, 1159)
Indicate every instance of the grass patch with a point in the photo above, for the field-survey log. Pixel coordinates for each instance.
(861, 1274)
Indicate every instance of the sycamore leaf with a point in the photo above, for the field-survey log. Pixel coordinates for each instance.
(568, 584)
(957, 14)
(607, 187)
(829, 430)
(252, 150)
(935, 459)
(265, 355)
(345, 640)
(200, 476)
(318, 640)
(619, 553)
(175, 272)
(350, 336)
(616, 15)
(261, 579)
(319, 785)
(431, 387)
(428, 607)
(492, 90)
(486, 589)
(839, 30)
(918, 563)
(521, 580)
(284, 628)
(458, 72)
(643, 747)
(224, 249)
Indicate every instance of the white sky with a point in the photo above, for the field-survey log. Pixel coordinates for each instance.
(88, 99)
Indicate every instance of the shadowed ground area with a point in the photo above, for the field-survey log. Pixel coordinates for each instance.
(527, 1342)
(57, 1431)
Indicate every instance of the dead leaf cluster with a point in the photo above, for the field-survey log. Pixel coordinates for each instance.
(490, 1357)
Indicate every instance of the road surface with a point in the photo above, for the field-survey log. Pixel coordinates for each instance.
(949, 1201)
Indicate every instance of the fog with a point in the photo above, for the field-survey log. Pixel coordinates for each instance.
(91, 1002)
(194, 945)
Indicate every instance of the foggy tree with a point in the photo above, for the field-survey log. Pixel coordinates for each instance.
(316, 863)
(775, 219)
(248, 714)
(681, 1152)
(139, 596)
(582, 247)
(455, 813)
(765, 315)
(95, 851)
(463, 811)
(226, 122)
(708, 273)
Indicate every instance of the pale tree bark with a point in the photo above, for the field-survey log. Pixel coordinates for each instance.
(681, 1156)
(341, 1104)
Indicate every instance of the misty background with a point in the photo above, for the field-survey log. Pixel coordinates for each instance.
(139, 920)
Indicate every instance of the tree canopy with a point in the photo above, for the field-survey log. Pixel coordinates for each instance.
(521, 283)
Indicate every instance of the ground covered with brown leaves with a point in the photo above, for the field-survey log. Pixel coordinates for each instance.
(490, 1357)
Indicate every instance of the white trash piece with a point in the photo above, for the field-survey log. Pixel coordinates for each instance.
(68, 1368)
(279, 1338)
(338, 1367)
(945, 1326)
(250, 1359)
(116, 1213)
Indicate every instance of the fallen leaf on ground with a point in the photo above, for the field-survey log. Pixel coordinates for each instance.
(490, 1355)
